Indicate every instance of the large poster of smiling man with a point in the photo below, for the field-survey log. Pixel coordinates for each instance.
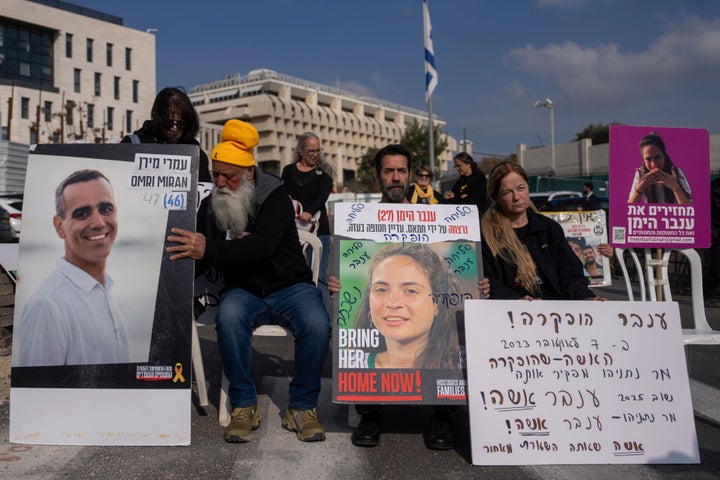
(102, 317)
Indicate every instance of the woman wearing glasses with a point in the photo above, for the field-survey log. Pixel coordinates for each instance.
(471, 186)
(309, 181)
(174, 120)
(421, 191)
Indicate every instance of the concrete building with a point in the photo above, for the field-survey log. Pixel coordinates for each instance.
(581, 158)
(282, 107)
(71, 74)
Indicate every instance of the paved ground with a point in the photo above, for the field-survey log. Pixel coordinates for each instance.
(276, 454)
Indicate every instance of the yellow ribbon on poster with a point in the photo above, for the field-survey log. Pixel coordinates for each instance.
(178, 373)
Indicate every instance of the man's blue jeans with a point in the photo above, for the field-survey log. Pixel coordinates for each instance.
(299, 308)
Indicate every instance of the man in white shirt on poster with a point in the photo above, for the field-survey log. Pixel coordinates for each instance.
(71, 318)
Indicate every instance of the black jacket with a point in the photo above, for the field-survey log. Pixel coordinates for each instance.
(591, 202)
(425, 201)
(312, 190)
(145, 135)
(269, 258)
(555, 261)
(475, 187)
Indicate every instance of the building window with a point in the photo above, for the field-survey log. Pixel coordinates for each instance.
(69, 113)
(33, 136)
(76, 80)
(98, 77)
(128, 121)
(25, 107)
(68, 45)
(116, 88)
(90, 115)
(128, 58)
(136, 85)
(89, 48)
(27, 52)
(110, 112)
(48, 111)
(108, 54)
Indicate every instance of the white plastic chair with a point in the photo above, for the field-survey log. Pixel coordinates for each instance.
(198, 367)
(307, 239)
(701, 333)
(626, 275)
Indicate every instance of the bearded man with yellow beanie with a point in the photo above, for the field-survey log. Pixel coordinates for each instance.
(246, 230)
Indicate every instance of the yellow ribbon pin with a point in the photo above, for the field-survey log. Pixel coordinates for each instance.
(178, 373)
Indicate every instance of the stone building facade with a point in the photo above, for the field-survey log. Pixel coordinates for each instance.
(73, 74)
(282, 107)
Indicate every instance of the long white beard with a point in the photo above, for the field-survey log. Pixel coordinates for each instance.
(233, 209)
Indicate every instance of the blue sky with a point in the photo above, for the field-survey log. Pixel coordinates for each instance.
(639, 62)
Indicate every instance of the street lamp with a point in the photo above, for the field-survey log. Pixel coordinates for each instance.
(547, 103)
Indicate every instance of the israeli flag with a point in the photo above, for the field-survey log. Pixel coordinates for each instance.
(431, 76)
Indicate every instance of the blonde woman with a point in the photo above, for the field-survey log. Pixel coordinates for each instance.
(525, 254)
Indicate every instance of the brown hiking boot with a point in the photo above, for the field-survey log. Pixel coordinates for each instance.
(305, 424)
(244, 421)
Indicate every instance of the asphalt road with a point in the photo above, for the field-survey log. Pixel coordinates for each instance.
(275, 453)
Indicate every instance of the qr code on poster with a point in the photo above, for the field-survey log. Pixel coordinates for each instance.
(618, 234)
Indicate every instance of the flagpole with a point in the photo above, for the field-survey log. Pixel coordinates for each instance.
(431, 79)
(431, 139)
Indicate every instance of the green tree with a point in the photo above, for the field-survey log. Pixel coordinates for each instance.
(364, 180)
(597, 133)
(417, 140)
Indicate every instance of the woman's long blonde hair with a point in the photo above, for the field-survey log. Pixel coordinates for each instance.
(499, 234)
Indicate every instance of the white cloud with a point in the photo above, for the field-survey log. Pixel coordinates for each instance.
(380, 87)
(688, 53)
(380, 82)
(354, 87)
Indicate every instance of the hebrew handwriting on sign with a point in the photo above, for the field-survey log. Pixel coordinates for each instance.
(552, 319)
(577, 382)
(347, 300)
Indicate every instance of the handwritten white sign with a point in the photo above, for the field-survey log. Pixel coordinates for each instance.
(573, 382)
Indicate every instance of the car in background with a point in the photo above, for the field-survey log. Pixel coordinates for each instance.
(13, 203)
(7, 234)
(570, 204)
(543, 200)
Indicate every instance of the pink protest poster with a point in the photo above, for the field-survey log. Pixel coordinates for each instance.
(659, 187)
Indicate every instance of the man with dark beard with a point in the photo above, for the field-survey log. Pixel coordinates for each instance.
(591, 265)
(392, 174)
(246, 230)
